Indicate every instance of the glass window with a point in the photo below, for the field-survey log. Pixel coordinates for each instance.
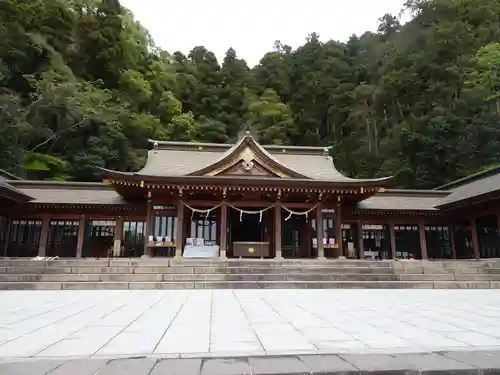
(203, 226)
(164, 228)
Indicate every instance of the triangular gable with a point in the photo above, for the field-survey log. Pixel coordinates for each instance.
(248, 158)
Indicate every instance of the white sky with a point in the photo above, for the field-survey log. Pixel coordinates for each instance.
(252, 27)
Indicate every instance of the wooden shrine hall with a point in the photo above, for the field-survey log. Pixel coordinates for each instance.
(198, 200)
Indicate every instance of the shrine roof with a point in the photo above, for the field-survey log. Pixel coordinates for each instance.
(90, 193)
(8, 191)
(404, 200)
(185, 159)
(477, 187)
(55, 192)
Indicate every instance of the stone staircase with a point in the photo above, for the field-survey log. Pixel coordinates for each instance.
(157, 273)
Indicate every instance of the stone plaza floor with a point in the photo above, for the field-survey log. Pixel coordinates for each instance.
(201, 323)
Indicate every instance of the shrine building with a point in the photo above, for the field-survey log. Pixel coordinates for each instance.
(203, 200)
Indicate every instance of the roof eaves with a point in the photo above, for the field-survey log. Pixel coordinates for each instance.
(470, 178)
(8, 175)
(414, 192)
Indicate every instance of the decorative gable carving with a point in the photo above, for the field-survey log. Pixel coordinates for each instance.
(248, 158)
(250, 168)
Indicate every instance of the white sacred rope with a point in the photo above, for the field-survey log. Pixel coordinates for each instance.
(305, 213)
(203, 211)
(260, 212)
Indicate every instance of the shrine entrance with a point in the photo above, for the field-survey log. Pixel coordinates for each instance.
(249, 233)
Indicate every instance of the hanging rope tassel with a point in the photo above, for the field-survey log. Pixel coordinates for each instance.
(241, 216)
(260, 218)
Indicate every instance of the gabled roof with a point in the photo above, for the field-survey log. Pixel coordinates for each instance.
(183, 159)
(474, 188)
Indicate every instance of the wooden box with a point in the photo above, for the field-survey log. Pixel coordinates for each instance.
(251, 249)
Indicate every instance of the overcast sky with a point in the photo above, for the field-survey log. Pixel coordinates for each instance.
(252, 27)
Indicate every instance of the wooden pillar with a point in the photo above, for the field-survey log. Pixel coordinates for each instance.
(423, 242)
(7, 236)
(319, 231)
(223, 231)
(305, 238)
(44, 236)
(117, 243)
(338, 230)
(475, 241)
(148, 250)
(452, 242)
(277, 231)
(179, 231)
(361, 247)
(81, 237)
(393, 240)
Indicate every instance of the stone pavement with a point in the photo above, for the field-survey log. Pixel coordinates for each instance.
(227, 323)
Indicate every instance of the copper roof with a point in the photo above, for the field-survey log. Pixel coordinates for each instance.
(11, 193)
(475, 187)
(176, 159)
(399, 200)
(49, 192)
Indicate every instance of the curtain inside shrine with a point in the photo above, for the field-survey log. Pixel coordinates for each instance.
(487, 234)
(438, 240)
(165, 233)
(376, 241)
(63, 238)
(407, 238)
(24, 238)
(4, 228)
(133, 238)
(99, 238)
(463, 240)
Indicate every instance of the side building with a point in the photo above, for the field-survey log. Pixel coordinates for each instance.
(247, 200)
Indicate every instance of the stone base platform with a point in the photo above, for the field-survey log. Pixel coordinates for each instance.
(19, 274)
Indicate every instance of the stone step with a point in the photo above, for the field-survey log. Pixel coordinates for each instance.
(253, 285)
(192, 269)
(190, 262)
(151, 277)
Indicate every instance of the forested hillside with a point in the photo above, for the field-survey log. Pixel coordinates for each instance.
(82, 84)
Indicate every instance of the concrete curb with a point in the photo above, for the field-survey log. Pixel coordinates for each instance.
(459, 362)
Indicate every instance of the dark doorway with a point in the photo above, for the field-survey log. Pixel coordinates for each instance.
(247, 227)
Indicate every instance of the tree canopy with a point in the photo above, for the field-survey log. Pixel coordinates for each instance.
(82, 84)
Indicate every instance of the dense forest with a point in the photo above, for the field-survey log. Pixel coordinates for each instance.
(82, 84)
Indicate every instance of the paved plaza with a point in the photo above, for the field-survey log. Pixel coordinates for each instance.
(215, 323)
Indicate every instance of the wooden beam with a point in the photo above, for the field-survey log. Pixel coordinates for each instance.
(7, 236)
(223, 231)
(179, 231)
(393, 240)
(44, 236)
(277, 231)
(319, 231)
(423, 242)
(361, 247)
(148, 251)
(117, 243)
(81, 237)
(475, 241)
(452, 242)
(338, 230)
